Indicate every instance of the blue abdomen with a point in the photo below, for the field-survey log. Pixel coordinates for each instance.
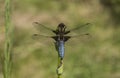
(61, 49)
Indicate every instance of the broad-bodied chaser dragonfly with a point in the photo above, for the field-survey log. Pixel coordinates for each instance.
(61, 35)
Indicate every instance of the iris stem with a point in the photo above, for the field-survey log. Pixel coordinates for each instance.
(60, 67)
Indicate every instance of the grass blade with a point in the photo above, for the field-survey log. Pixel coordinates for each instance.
(8, 41)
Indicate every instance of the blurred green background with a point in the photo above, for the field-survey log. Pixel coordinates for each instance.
(98, 57)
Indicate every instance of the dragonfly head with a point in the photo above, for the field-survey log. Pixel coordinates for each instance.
(61, 27)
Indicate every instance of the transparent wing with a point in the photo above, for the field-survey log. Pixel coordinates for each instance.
(38, 36)
(76, 40)
(80, 29)
(43, 30)
(79, 35)
(42, 39)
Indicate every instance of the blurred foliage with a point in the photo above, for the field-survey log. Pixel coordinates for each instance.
(97, 57)
(114, 8)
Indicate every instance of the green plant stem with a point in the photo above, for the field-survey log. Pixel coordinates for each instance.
(8, 41)
(60, 67)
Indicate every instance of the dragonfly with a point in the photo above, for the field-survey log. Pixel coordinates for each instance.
(60, 35)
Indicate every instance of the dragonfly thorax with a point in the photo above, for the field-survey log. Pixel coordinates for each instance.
(60, 38)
